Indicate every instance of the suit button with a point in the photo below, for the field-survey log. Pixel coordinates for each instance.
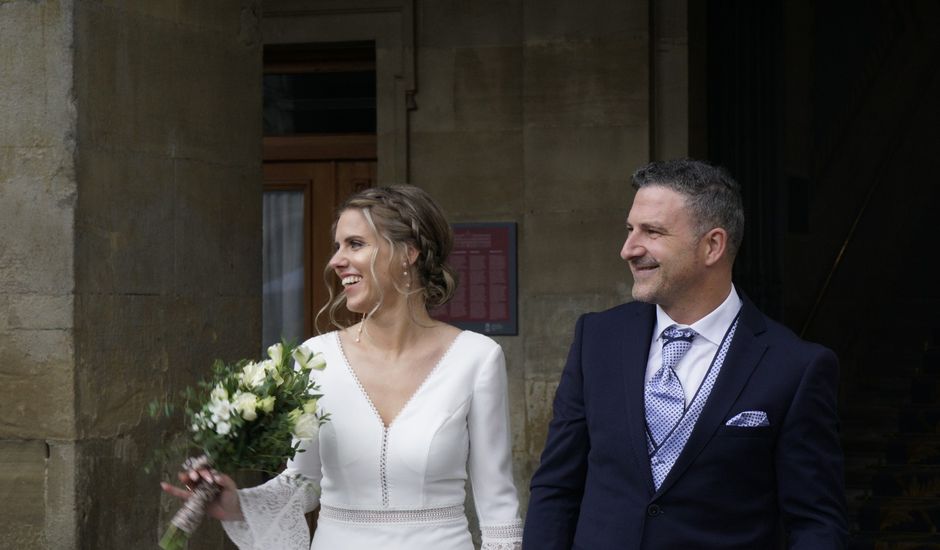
(654, 510)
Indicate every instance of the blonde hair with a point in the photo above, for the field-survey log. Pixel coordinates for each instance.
(403, 215)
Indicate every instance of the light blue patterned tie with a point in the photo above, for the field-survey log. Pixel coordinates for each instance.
(665, 400)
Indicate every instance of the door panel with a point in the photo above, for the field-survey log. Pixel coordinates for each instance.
(326, 184)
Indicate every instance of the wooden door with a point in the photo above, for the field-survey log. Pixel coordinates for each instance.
(325, 184)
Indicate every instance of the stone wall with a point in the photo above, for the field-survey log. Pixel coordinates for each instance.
(37, 208)
(130, 248)
(537, 113)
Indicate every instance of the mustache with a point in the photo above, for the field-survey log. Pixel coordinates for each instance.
(644, 262)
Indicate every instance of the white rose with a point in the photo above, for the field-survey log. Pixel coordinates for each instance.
(223, 428)
(245, 404)
(276, 353)
(253, 375)
(307, 426)
(266, 404)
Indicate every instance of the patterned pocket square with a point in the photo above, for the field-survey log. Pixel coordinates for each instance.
(749, 419)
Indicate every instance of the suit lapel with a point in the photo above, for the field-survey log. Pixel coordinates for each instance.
(634, 353)
(745, 353)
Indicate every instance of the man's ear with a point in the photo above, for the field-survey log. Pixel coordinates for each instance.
(715, 246)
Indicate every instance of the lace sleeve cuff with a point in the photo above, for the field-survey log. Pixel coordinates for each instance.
(502, 536)
(274, 515)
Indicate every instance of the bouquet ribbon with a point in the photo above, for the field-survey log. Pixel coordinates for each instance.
(193, 511)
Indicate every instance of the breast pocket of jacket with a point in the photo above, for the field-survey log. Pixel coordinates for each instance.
(765, 432)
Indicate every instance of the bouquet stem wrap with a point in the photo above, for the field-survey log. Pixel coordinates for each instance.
(193, 511)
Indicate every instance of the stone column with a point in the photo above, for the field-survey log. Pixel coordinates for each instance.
(130, 248)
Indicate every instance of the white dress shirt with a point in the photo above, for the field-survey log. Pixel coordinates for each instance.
(693, 366)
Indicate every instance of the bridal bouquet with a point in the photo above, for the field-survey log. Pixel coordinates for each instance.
(245, 416)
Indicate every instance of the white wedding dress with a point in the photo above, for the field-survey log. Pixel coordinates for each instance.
(399, 487)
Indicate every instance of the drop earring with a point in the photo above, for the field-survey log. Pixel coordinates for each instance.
(404, 266)
(359, 332)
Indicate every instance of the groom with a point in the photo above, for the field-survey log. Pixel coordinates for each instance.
(688, 419)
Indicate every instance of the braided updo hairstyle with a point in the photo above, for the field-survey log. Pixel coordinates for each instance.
(405, 215)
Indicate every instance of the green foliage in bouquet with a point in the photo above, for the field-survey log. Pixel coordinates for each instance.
(248, 416)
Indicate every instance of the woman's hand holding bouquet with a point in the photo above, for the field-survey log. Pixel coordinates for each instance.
(246, 416)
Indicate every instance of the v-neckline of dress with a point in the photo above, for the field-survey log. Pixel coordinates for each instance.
(417, 390)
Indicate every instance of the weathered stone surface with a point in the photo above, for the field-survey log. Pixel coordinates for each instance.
(474, 175)
(582, 168)
(481, 23)
(37, 200)
(36, 374)
(435, 97)
(472, 89)
(587, 83)
(549, 321)
(578, 249)
(488, 88)
(22, 494)
(561, 20)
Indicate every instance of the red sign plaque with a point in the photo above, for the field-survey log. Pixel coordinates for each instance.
(484, 257)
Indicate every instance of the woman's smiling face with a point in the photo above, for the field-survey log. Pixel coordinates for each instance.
(361, 262)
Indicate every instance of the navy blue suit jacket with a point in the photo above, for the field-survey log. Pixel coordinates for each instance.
(732, 487)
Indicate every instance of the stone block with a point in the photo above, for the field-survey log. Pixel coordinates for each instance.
(240, 194)
(125, 93)
(455, 23)
(213, 92)
(166, 10)
(587, 83)
(220, 16)
(36, 206)
(22, 494)
(124, 213)
(560, 20)
(582, 168)
(539, 397)
(35, 56)
(549, 322)
(120, 349)
(476, 176)
(121, 506)
(469, 89)
(577, 249)
(196, 232)
(35, 369)
(488, 88)
(435, 96)
(35, 312)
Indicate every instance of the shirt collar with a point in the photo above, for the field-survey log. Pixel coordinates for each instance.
(712, 327)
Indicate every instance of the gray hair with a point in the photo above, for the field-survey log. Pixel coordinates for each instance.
(712, 195)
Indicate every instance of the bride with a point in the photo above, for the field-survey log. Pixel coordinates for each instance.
(416, 406)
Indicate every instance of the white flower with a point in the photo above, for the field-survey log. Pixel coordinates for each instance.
(223, 428)
(219, 407)
(199, 422)
(309, 360)
(252, 375)
(266, 404)
(310, 406)
(307, 426)
(245, 404)
(219, 394)
(271, 368)
(276, 353)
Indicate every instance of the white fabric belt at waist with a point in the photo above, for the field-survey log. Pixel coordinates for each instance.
(423, 515)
